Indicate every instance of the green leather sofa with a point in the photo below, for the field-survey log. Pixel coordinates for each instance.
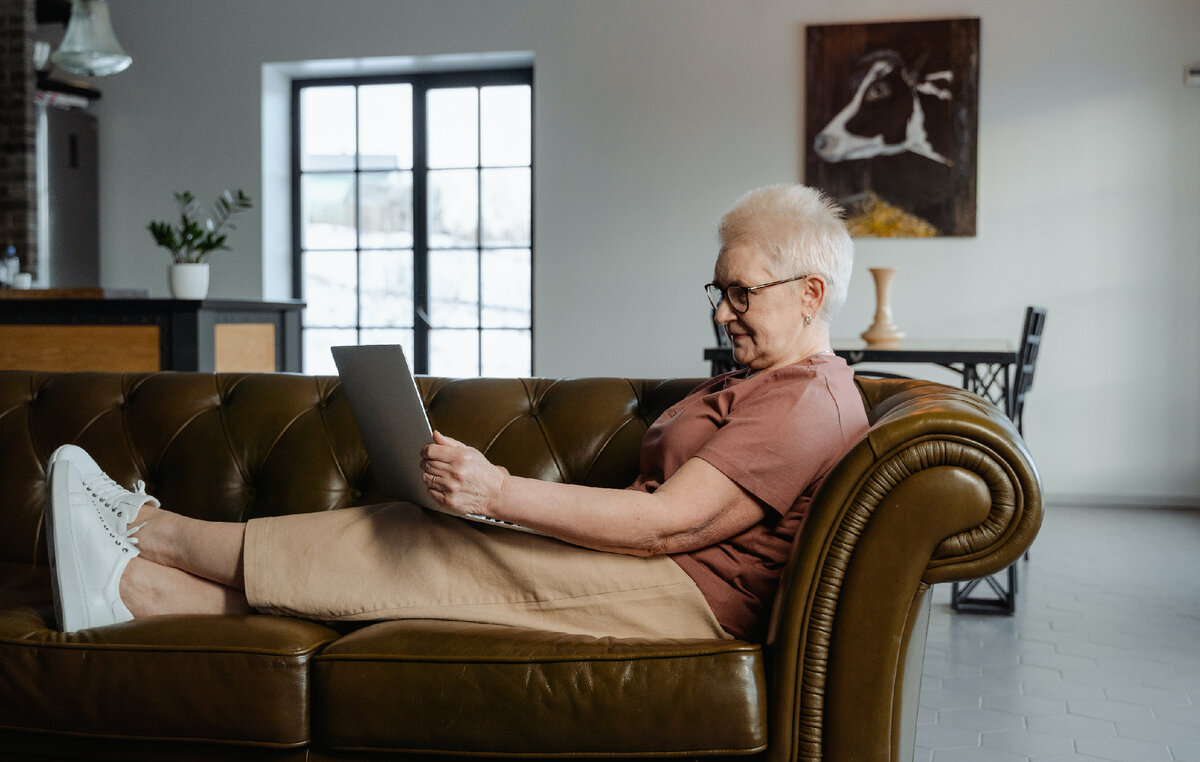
(941, 489)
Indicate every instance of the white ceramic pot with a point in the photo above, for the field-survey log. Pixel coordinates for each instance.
(189, 280)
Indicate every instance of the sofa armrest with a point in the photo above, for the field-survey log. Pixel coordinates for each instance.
(941, 489)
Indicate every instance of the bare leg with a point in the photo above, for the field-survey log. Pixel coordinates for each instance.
(208, 549)
(149, 589)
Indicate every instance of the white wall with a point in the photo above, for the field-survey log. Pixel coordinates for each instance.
(652, 116)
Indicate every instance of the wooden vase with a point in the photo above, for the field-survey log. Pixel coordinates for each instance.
(883, 333)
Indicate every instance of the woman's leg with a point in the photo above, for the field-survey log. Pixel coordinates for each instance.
(398, 561)
(208, 549)
(149, 589)
(186, 566)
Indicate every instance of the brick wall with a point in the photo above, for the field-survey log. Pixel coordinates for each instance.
(18, 162)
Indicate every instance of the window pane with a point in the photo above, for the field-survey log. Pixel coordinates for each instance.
(357, 234)
(507, 354)
(385, 127)
(505, 135)
(453, 288)
(317, 360)
(453, 208)
(454, 353)
(386, 285)
(329, 282)
(453, 124)
(391, 336)
(326, 128)
(506, 289)
(386, 200)
(327, 209)
(506, 203)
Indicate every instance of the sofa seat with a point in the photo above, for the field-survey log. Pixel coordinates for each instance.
(227, 680)
(419, 686)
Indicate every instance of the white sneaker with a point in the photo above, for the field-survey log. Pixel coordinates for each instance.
(87, 555)
(120, 505)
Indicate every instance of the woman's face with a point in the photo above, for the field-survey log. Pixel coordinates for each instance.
(768, 334)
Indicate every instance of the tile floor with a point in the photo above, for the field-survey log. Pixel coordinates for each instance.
(1100, 662)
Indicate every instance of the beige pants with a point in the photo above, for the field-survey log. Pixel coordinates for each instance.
(398, 561)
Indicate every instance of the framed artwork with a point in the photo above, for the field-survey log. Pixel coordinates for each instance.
(891, 123)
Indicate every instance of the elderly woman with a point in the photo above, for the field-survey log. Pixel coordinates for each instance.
(693, 548)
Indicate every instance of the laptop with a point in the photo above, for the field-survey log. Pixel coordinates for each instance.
(391, 417)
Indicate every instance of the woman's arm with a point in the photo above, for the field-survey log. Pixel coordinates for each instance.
(697, 507)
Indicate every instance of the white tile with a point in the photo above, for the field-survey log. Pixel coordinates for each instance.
(1071, 726)
(1141, 694)
(941, 736)
(1025, 705)
(976, 755)
(1027, 742)
(945, 699)
(1059, 661)
(1124, 749)
(1106, 651)
(1186, 752)
(1185, 715)
(1110, 710)
(1102, 678)
(1063, 690)
(1158, 730)
(941, 667)
(983, 686)
(1189, 668)
(1171, 680)
(980, 719)
(1024, 673)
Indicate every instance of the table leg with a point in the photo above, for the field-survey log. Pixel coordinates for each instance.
(994, 384)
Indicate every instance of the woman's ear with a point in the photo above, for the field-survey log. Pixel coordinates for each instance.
(812, 294)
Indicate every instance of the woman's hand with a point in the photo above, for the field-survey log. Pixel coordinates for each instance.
(459, 478)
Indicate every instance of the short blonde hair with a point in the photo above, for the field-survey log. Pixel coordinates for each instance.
(802, 231)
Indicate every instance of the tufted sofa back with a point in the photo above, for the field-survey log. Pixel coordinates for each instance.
(231, 447)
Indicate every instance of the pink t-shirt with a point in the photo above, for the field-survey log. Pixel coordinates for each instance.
(776, 434)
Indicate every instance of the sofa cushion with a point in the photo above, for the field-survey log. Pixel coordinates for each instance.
(234, 680)
(435, 686)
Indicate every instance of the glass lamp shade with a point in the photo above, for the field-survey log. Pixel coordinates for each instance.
(90, 47)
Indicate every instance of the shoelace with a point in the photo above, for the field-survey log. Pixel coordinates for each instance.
(114, 497)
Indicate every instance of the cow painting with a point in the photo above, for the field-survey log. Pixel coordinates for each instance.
(891, 124)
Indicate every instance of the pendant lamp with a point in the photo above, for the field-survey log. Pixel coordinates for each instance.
(89, 46)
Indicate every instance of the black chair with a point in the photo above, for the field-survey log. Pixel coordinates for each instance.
(1031, 342)
(1005, 599)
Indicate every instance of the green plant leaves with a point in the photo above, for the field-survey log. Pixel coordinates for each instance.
(191, 242)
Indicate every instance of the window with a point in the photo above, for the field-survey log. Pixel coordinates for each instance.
(412, 218)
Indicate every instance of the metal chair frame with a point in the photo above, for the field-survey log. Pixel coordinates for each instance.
(1005, 596)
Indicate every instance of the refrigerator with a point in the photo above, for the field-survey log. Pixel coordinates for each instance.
(68, 199)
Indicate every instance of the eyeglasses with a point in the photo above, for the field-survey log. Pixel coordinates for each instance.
(739, 296)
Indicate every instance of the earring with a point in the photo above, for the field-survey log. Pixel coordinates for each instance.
(807, 320)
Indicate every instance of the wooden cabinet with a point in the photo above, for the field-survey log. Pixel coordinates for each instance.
(97, 329)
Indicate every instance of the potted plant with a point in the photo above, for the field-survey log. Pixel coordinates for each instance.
(194, 237)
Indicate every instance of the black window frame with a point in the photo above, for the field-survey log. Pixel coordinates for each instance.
(422, 83)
